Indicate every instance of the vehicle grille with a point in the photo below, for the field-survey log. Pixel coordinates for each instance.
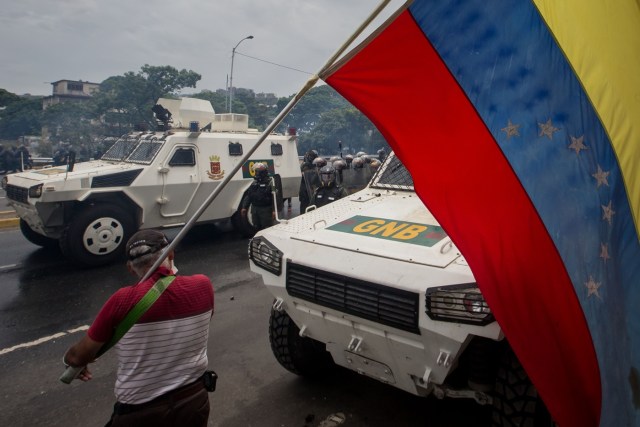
(393, 307)
(121, 179)
(16, 193)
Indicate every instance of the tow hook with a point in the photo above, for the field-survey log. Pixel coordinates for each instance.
(277, 304)
(480, 397)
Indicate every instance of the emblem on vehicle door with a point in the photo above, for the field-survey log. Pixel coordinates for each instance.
(215, 171)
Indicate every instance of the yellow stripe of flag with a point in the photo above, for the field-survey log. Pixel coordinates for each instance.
(601, 39)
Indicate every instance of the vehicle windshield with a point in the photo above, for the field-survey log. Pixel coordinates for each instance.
(134, 149)
(393, 174)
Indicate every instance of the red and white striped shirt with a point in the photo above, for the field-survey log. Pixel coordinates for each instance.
(167, 347)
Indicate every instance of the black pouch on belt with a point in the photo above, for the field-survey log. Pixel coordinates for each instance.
(210, 378)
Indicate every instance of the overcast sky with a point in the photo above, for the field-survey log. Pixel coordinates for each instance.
(42, 41)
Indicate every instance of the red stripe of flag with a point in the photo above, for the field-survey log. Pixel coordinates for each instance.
(460, 173)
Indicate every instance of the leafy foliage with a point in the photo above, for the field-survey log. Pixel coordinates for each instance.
(343, 130)
(125, 101)
(318, 101)
(20, 116)
(324, 120)
(7, 98)
(69, 121)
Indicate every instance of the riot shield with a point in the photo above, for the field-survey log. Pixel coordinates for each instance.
(277, 183)
(311, 181)
(354, 180)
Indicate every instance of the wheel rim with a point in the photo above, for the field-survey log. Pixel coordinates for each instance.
(103, 236)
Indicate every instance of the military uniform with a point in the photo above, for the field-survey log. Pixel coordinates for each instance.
(325, 195)
(259, 196)
(303, 194)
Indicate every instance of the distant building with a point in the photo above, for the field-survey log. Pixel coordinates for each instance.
(268, 99)
(70, 91)
(271, 97)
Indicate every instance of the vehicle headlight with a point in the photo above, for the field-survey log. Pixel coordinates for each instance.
(462, 303)
(35, 191)
(4, 182)
(265, 255)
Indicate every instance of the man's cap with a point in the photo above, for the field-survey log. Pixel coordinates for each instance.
(145, 242)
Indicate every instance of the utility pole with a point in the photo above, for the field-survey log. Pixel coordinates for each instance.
(233, 54)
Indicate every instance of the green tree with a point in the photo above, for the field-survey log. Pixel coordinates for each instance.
(125, 101)
(306, 114)
(245, 101)
(7, 98)
(70, 122)
(344, 127)
(19, 116)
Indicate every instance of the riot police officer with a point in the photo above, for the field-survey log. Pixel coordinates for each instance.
(319, 162)
(260, 198)
(339, 165)
(348, 159)
(329, 191)
(306, 166)
(23, 158)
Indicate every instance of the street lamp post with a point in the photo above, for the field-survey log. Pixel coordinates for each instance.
(233, 54)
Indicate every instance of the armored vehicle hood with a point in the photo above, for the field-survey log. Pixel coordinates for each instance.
(387, 223)
(81, 170)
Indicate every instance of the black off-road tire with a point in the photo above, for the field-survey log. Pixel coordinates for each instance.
(37, 238)
(96, 235)
(516, 402)
(301, 355)
(242, 224)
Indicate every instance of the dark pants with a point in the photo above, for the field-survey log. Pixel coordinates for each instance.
(262, 216)
(186, 406)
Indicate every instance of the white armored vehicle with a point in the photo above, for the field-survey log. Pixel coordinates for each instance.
(152, 179)
(372, 283)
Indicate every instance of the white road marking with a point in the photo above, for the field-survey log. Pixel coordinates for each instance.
(4, 267)
(43, 339)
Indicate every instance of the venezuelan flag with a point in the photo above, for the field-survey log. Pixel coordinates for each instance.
(520, 123)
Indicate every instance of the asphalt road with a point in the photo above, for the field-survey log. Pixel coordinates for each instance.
(45, 302)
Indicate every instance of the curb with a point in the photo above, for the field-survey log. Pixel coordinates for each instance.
(8, 222)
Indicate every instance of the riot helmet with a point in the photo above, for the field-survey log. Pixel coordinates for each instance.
(319, 162)
(334, 158)
(348, 158)
(327, 176)
(310, 155)
(382, 154)
(260, 171)
(361, 154)
(339, 164)
(358, 163)
(375, 164)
